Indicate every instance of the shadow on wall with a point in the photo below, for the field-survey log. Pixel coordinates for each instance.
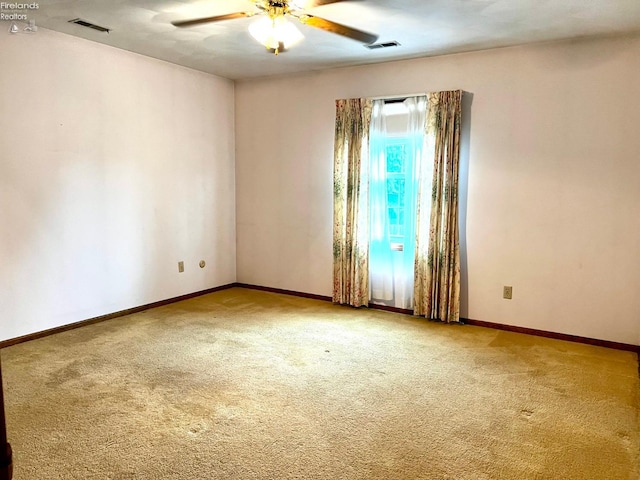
(463, 192)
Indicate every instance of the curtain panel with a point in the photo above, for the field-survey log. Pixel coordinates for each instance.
(437, 263)
(392, 271)
(351, 202)
(380, 254)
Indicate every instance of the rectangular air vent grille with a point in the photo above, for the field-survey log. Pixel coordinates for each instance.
(84, 23)
(376, 46)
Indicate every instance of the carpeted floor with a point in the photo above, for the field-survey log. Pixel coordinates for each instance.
(242, 384)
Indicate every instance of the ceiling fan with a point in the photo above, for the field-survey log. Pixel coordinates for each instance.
(274, 30)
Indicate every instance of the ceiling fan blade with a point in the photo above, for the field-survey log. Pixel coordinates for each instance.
(338, 28)
(318, 3)
(217, 18)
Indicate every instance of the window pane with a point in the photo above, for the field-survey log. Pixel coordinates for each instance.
(395, 158)
(393, 216)
(395, 186)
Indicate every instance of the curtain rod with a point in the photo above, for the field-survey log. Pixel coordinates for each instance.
(402, 98)
(387, 101)
(397, 98)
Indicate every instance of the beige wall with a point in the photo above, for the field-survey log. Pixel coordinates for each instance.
(113, 167)
(553, 198)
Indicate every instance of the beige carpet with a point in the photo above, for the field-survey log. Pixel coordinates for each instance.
(242, 384)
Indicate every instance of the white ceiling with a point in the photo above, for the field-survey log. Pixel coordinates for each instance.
(422, 27)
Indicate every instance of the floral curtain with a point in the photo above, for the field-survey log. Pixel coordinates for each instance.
(437, 266)
(350, 206)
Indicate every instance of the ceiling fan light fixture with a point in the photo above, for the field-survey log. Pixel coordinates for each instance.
(272, 32)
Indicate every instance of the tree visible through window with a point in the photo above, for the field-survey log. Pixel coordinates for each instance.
(397, 168)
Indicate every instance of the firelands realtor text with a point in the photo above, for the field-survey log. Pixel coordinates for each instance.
(16, 11)
(19, 6)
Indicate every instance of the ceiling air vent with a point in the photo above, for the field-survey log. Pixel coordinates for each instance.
(376, 46)
(84, 23)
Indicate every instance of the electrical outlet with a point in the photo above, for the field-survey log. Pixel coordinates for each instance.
(507, 292)
(180, 267)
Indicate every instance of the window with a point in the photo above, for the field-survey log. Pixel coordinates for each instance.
(396, 141)
(398, 163)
